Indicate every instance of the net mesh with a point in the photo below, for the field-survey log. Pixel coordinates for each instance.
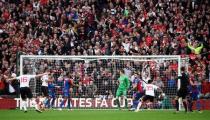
(97, 78)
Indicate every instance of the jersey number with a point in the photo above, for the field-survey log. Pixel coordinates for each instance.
(23, 79)
(149, 88)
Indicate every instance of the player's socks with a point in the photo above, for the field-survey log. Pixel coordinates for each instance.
(118, 103)
(126, 103)
(185, 106)
(138, 106)
(46, 102)
(135, 103)
(69, 104)
(198, 105)
(190, 104)
(53, 101)
(37, 108)
(24, 106)
(62, 103)
(177, 105)
(21, 105)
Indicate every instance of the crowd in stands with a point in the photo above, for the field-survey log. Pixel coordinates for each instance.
(106, 27)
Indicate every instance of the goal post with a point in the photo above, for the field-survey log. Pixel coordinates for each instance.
(102, 72)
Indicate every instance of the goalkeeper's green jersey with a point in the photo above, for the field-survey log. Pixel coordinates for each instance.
(124, 82)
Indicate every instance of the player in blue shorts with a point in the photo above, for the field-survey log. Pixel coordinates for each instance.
(193, 96)
(52, 96)
(137, 89)
(67, 84)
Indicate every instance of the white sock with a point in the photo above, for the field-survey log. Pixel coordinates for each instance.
(139, 105)
(24, 105)
(36, 106)
(21, 104)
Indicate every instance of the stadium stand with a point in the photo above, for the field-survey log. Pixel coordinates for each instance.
(106, 27)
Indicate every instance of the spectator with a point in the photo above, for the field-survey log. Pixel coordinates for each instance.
(104, 27)
(195, 48)
(205, 87)
(92, 89)
(2, 85)
(171, 82)
(158, 82)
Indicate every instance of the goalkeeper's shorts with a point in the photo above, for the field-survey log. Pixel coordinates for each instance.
(121, 92)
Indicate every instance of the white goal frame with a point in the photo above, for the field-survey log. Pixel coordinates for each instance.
(69, 57)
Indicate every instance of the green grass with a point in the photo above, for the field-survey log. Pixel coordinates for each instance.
(102, 115)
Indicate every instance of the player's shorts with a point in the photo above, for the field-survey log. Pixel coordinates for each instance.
(25, 92)
(194, 95)
(52, 95)
(182, 92)
(148, 97)
(121, 92)
(44, 90)
(66, 93)
(137, 95)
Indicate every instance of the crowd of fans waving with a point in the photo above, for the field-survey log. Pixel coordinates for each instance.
(106, 27)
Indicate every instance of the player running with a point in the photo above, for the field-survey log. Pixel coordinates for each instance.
(149, 94)
(137, 89)
(25, 90)
(124, 84)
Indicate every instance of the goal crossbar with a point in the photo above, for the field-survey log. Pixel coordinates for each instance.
(134, 58)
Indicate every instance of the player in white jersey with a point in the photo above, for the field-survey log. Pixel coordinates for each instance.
(25, 91)
(145, 73)
(149, 93)
(44, 87)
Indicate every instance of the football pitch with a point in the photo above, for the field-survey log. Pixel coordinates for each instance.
(103, 115)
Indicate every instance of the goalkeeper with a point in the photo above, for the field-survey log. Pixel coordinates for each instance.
(124, 84)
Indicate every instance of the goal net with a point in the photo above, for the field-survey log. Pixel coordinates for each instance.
(97, 77)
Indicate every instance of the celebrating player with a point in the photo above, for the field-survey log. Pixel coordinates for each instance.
(183, 91)
(145, 73)
(137, 88)
(44, 87)
(39, 103)
(25, 90)
(68, 82)
(124, 84)
(149, 94)
(51, 91)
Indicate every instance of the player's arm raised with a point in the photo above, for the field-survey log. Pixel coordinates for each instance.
(13, 77)
(10, 79)
(39, 75)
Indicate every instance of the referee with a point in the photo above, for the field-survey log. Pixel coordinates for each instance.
(183, 91)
